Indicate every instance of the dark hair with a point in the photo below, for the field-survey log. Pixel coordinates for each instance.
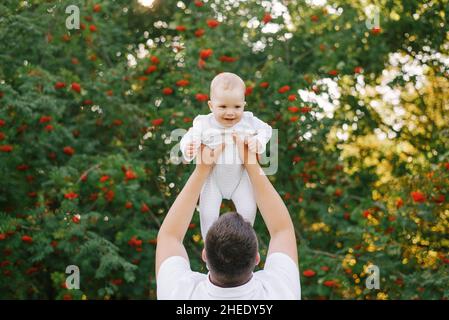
(231, 248)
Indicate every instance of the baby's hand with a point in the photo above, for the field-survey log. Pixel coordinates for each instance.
(192, 149)
(254, 145)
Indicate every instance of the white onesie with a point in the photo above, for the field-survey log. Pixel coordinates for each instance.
(228, 179)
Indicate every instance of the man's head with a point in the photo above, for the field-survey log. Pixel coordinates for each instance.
(231, 250)
(227, 98)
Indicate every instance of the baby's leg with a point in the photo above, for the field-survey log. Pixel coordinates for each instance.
(210, 201)
(244, 199)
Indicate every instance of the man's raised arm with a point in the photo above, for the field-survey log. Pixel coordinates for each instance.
(271, 206)
(174, 227)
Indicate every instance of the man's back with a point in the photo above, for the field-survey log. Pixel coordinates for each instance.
(279, 280)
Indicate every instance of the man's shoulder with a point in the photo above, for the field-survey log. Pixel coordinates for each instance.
(179, 265)
(278, 266)
(280, 276)
(176, 280)
(279, 260)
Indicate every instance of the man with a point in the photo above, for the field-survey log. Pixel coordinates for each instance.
(231, 249)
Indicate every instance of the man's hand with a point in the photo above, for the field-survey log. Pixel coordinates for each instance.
(247, 156)
(207, 157)
(254, 145)
(192, 149)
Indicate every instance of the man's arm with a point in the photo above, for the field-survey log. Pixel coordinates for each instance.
(174, 227)
(271, 206)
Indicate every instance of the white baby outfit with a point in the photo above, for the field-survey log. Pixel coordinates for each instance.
(228, 179)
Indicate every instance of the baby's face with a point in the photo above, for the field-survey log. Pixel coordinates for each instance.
(228, 108)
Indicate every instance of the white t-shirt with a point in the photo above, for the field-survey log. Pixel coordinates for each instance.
(279, 280)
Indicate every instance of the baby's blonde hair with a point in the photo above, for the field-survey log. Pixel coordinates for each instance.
(226, 81)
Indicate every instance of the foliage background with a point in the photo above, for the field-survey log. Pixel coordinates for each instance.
(86, 117)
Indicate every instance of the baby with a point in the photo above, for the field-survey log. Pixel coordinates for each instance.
(228, 179)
